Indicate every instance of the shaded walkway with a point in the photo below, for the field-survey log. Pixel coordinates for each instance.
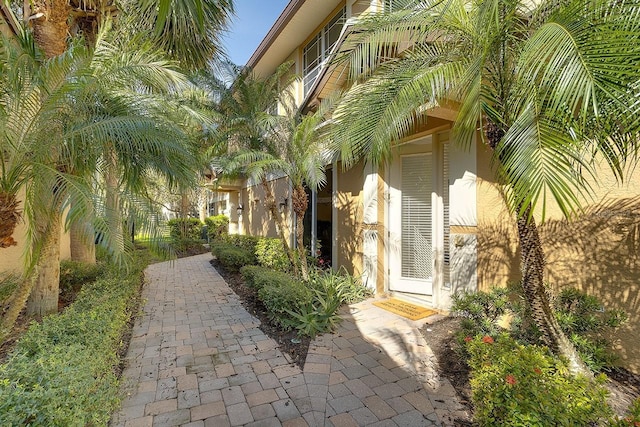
(198, 358)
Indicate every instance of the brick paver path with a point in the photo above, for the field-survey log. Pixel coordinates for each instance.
(198, 358)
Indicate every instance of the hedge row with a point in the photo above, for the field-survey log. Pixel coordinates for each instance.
(280, 293)
(63, 371)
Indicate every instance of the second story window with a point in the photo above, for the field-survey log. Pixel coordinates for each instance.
(317, 50)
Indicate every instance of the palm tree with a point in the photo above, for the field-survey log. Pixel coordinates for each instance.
(301, 155)
(247, 131)
(188, 30)
(552, 86)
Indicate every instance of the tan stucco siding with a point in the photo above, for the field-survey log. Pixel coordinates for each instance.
(349, 207)
(256, 218)
(11, 258)
(597, 252)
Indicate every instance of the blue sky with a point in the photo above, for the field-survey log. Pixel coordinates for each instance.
(252, 21)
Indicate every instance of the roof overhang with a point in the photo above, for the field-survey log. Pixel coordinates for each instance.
(294, 25)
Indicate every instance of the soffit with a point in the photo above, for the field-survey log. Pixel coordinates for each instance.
(296, 23)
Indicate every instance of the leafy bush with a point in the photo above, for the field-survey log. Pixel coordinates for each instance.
(217, 226)
(281, 294)
(330, 289)
(349, 288)
(187, 247)
(242, 241)
(75, 274)
(481, 311)
(63, 371)
(579, 315)
(631, 420)
(270, 253)
(190, 228)
(232, 258)
(582, 319)
(518, 385)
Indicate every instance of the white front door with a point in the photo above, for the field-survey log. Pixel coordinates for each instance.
(411, 223)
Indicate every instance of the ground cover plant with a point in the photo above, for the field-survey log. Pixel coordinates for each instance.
(292, 311)
(64, 371)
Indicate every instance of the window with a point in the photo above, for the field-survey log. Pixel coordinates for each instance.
(317, 50)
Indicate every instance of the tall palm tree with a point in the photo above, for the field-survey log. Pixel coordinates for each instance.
(552, 86)
(248, 129)
(188, 30)
(301, 155)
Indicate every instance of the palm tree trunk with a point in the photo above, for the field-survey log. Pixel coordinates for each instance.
(112, 201)
(536, 297)
(300, 202)
(271, 206)
(44, 295)
(50, 21)
(82, 244)
(16, 304)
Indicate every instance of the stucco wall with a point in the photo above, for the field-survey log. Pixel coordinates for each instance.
(597, 252)
(256, 219)
(11, 259)
(349, 207)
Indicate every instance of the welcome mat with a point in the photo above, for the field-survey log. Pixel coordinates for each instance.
(404, 309)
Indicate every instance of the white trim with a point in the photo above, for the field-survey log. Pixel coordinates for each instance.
(334, 216)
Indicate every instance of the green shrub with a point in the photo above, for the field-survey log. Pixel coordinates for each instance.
(481, 311)
(187, 247)
(232, 258)
(582, 319)
(518, 385)
(350, 289)
(75, 274)
(250, 273)
(256, 277)
(190, 228)
(631, 420)
(63, 370)
(283, 293)
(217, 226)
(242, 241)
(270, 253)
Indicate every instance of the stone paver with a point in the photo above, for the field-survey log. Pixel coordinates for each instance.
(198, 358)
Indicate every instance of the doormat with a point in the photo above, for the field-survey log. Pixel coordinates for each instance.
(404, 309)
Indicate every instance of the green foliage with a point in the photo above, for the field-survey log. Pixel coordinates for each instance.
(257, 277)
(330, 289)
(63, 371)
(185, 228)
(582, 319)
(217, 226)
(187, 246)
(8, 283)
(282, 294)
(518, 385)
(350, 289)
(270, 253)
(232, 257)
(75, 274)
(631, 420)
(242, 241)
(481, 311)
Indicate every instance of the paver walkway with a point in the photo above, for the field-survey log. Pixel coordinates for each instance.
(198, 358)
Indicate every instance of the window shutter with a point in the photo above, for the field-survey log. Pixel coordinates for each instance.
(417, 252)
(445, 216)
